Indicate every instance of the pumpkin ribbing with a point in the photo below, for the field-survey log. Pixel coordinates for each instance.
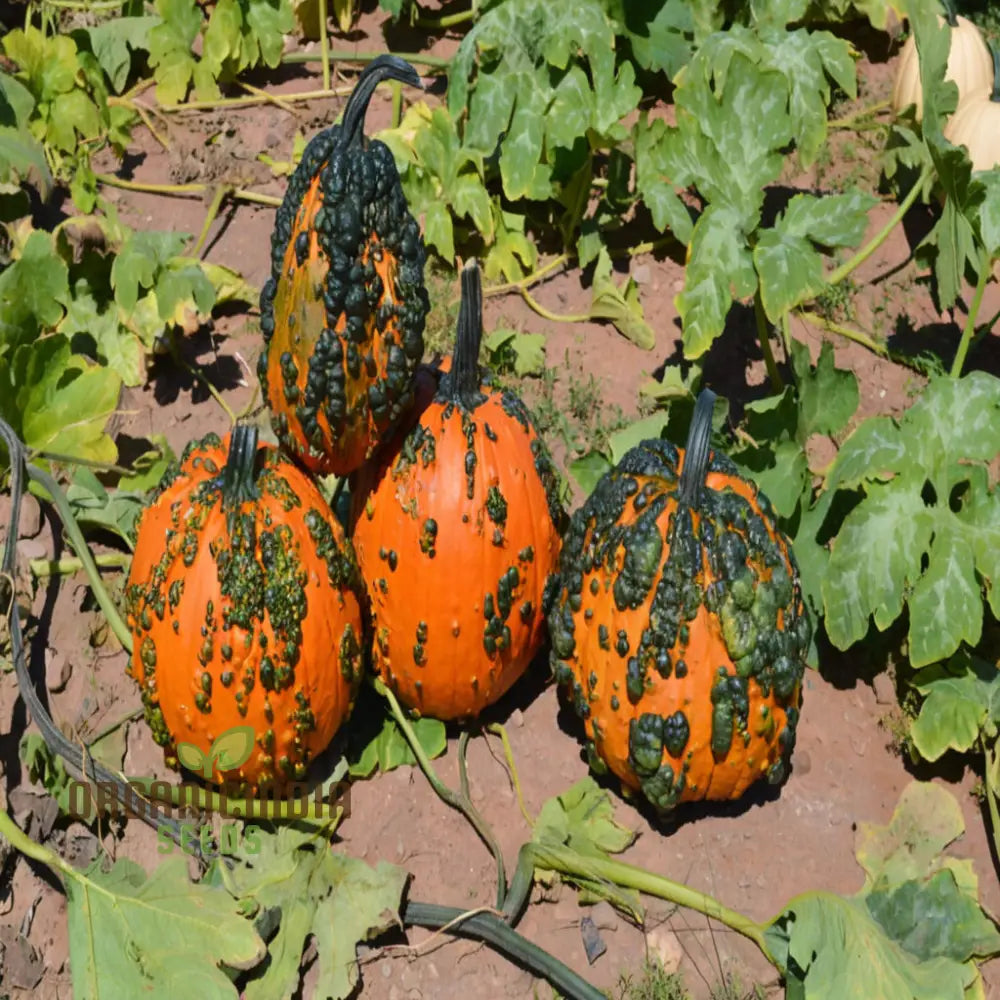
(679, 629)
(456, 530)
(244, 604)
(343, 311)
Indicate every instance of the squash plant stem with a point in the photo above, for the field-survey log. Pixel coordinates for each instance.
(324, 45)
(764, 336)
(970, 320)
(491, 929)
(419, 58)
(992, 791)
(564, 860)
(461, 802)
(838, 274)
(79, 545)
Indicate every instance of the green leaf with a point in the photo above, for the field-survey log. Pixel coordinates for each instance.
(658, 33)
(786, 258)
(875, 560)
(23, 159)
(116, 511)
(933, 918)
(583, 818)
(652, 179)
(926, 820)
(523, 353)
(988, 213)
(59, 401)
(270, 20)
(389, 749)
(733, 124)
(140, 261)
(961, 699)
(46, 769)
(719, 269)
(945, 606)
(620, 304)
(126, 931)
(828, 396)
(588, 469)
(789, 269)
(33, 290)
(832, 947)
(170, 48)
(337, 899)
(638, 431)
(113, 42)
(513, 254)
(48, 64)
(16, 102)
(927, 498)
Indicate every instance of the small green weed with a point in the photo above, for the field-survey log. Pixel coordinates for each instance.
(652, 983)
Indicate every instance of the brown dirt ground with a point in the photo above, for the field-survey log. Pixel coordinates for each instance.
(753, 855)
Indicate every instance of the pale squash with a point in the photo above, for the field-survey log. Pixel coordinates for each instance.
(969, 65)
(976, 123)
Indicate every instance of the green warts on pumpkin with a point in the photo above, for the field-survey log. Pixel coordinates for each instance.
(343, 312)
(248, 637)
(688, 559)
(459, 505)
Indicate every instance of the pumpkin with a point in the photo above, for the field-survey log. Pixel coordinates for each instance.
(679, 630)
(343, 312)
(976, 122)
(456, 529)
(969, 65)
(245, 608)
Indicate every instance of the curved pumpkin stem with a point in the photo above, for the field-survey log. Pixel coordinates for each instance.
(950, 14)
(995, 52)
(696, 451)
(239, 476)
(465, 360)
(386, 67)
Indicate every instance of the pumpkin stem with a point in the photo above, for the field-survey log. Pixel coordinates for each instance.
(464, 374)
(696, 452)
(239, 476)
(995, 52)
(949, 13)
(385, 67)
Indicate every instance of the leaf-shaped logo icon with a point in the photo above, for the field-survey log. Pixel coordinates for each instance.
(233, 748)
(194, 759)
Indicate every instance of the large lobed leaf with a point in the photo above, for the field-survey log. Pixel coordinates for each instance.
(156, 936)
(927, 533)
(337, 899)
(913, 931)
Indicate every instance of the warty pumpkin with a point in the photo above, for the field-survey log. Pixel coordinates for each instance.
(245, 607)
(343, 312)
(456, 529)
(969, 64)
(679, 630)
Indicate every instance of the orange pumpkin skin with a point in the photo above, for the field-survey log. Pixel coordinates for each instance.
(456, 530)
(679, 630)
(343, 312)
(245, 608)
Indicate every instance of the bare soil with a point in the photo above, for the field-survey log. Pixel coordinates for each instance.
(753, 855)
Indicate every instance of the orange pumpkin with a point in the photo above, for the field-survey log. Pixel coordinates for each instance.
(343, 311)
(679, 630)
(456, 529)
(244, 604)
